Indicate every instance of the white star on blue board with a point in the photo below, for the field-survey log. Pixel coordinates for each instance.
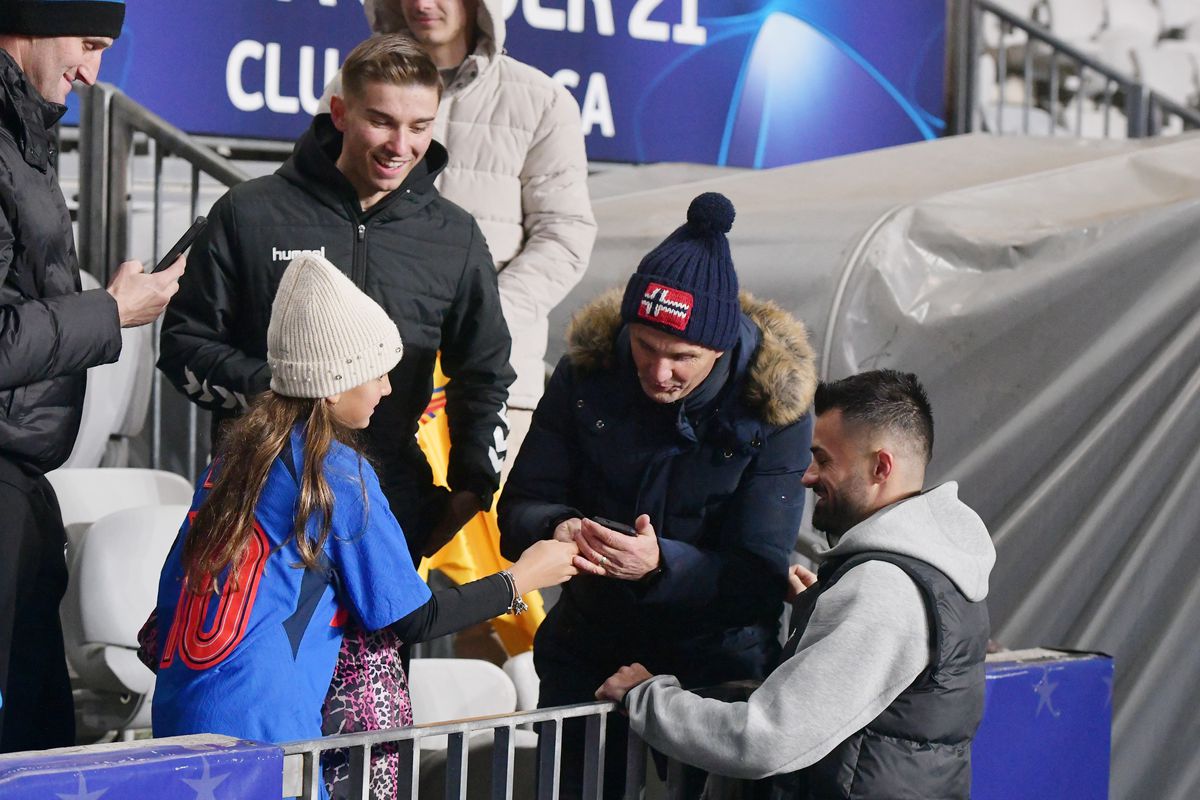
(1045, 689)
(206, 785)
(83, 793)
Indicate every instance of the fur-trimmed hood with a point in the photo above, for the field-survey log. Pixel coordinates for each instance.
(782, 374)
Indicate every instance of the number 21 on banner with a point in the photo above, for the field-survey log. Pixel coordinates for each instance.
(686, 31)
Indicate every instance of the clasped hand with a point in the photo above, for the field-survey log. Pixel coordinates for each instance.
(603, 551)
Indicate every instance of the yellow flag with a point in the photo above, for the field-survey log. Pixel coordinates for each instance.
(475, 552)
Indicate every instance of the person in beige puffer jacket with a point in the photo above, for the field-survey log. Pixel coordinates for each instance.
(517, 164)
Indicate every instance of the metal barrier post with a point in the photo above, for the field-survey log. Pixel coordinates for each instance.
(503, 755)
(635, 767)
(549, 751)
(410, 768)
(93, 178)
(593, 757)
(116, 228)
(962, 54)
(1135, 111)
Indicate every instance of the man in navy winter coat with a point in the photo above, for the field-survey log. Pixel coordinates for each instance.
(681, 410)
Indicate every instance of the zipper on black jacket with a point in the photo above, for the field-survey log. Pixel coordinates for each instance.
(359, 275)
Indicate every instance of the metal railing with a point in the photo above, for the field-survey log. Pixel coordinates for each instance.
(118, 139)
(1057, 80)
(303, 775)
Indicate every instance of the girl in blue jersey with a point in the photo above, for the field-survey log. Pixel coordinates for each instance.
(290, 537)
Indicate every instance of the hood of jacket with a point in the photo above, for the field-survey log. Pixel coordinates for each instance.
(385, 16)
(935, 527)
(781, 376)
(313, 166)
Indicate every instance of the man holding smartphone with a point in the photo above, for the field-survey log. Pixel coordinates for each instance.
(52, 333)
(881, 684)
(681, 409)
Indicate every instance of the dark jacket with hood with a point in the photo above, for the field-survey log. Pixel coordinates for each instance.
(50, 331)
(718, 473)
(418, 255)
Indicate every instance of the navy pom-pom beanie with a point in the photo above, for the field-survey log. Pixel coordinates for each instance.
(687, 286)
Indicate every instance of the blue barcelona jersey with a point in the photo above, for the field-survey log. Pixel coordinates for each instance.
(255, 661)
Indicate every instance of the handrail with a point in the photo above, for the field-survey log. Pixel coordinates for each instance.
(111, 124)
(465, 725)
(109, 120)
(303, 761)
(1189, 116)
(1036, 31)
(175, 141)
(1143, 107)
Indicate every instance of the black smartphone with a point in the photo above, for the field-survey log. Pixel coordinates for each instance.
(619, 527)
(184, 243)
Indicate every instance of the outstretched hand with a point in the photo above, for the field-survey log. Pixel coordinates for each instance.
(545, 563)
(620, 682)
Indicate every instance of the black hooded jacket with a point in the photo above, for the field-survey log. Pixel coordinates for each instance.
(50, 331)
(422, 258)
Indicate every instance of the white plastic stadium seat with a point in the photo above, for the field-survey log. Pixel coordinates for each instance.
(521, 672)
(1179, 14)
(115, 393)
(457, 688)
(1076, 21)
(1169, 71)
(1114, 48)
(446, 689)
(112, 589)
(87, 494)
(1142, 16)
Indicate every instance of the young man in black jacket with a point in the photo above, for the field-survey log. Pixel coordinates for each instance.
(50, 334)
(359, 190)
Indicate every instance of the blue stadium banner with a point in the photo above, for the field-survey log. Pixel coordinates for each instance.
(203, 767)
(740, 82)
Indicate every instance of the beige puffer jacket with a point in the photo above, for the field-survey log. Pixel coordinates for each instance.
(517, 163)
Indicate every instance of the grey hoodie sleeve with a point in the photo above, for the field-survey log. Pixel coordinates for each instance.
(867, 640)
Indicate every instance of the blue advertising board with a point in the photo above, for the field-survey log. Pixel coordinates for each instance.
(203, 767)
(1047, 728)
(756, 83)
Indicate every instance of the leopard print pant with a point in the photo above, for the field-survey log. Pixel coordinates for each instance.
(369, 692)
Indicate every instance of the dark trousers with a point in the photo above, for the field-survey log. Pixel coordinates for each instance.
(565, 681)
(38, 711)
(574, 655)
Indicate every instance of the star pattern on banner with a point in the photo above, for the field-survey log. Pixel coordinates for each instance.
(83, 793)
(206, 785)
(1045, 692)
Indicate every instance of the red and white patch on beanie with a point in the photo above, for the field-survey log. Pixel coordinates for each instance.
(666, 306)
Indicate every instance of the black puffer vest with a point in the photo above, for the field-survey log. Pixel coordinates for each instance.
(920, 746)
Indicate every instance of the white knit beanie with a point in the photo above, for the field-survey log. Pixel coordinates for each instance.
(325, 335)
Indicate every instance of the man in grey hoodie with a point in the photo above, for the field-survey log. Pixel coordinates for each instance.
(880, 687)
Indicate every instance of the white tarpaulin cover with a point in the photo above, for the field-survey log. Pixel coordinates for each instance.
(1046, 292)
